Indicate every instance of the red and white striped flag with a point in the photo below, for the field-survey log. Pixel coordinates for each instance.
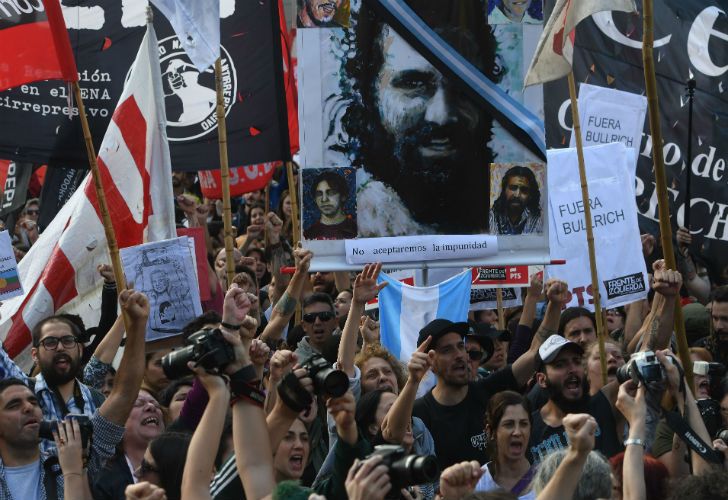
(59, 271)
(554, 52)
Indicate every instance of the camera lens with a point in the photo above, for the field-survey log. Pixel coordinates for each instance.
(174, 364)
(334, 383)
(623, 373)
(415, 469)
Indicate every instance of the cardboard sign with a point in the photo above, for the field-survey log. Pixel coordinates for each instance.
(198, 236)
(10, 285)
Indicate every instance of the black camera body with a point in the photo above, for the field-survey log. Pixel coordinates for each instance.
(326, 380)
(722, 434)
(642, 367)
(48, 427)
(207, 347)
(406, 470)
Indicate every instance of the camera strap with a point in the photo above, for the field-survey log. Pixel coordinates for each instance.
(687, 434)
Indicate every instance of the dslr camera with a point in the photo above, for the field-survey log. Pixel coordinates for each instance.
(406, 470)
(48, 427)
(326, 380)
(206, 347)
(642, 367)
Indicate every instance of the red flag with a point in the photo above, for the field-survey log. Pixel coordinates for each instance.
(242, 180)
(59, 272)
(34, 43)
(289, 81)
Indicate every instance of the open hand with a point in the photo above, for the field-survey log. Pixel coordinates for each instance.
(365, 286)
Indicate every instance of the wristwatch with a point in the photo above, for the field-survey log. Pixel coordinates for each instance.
(635, 441)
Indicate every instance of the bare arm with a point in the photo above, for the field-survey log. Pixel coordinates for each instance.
(365, 289)
(108, 347)
(557, 292)
(633, 321)
(697, 287)
(580, 429)
(399, 416)
(128, 380)
(342, 280)
(631, 402)
(286, 305)
(204, 443)
(657, 328)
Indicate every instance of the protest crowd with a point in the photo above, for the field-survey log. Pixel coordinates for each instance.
(280, 383)
(265, 405)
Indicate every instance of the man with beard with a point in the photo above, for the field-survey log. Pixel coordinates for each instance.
(57, 352)
(717, 341)
(28, 472)
(518, 208)
(453, 410)
(562, 376)
(318, 13)
(420, 142)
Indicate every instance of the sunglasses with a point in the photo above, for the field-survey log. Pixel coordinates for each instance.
(475, 355)
(323, 316)
(51, 343)
(32, 212)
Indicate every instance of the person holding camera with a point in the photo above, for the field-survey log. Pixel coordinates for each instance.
(25, 472)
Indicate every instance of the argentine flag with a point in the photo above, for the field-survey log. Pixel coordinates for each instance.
(405, 309)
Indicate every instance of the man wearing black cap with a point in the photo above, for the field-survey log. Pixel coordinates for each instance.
(453, 410)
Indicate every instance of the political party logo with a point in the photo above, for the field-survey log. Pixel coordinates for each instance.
(625, 285)
(189, 94)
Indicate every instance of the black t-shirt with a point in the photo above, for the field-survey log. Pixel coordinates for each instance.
(458, 430)
(546, 439)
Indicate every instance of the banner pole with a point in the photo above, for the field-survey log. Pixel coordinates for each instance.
(101, 197)
(689, 169)
(658, 161)
(499, 305)
(267, 209)
(601, 333)
(295, 227)
(227, 218)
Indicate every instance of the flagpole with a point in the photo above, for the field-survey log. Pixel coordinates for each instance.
(601, 334)
(101, 198)
(499, 305)
(295, 227)
(648, 38)
(227, 218)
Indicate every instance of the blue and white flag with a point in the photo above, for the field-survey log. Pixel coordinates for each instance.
(197, 25)
(404, 310)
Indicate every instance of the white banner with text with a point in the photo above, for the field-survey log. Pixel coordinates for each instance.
(420, 248)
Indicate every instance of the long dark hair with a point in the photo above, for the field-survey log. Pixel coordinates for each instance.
(366, 412)
(169, 451)
(494, 413)
(534, 200)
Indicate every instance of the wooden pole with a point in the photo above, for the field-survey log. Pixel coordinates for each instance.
(660, 182)
(601, 333)
(295, 227)
(227, 218)
(293, 193)
(267, 209)
(499, 305)
(101, 197)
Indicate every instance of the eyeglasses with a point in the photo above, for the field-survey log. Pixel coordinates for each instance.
(323, 316)
(475, 355)
(145, 468)
(51, 343)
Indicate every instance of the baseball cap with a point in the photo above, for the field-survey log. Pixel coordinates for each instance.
(440, 327)
(552, 347)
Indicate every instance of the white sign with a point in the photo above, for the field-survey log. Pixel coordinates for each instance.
(609, 115)
(167, 273)
(420, 248)
(620, 265)
(10, 285)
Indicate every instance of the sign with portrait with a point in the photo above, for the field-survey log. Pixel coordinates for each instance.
(166, 272)
(516, 200)
(419, 144)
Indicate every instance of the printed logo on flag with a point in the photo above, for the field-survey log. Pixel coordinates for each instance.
(193, 92)
(625, 285)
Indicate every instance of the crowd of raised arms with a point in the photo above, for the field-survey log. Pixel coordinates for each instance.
(256, 400)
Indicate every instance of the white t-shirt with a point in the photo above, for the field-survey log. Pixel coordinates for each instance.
(24, 481)
(487, 483)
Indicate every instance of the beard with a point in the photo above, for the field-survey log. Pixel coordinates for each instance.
(447, 192)
(556, 394)
(55, 377)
